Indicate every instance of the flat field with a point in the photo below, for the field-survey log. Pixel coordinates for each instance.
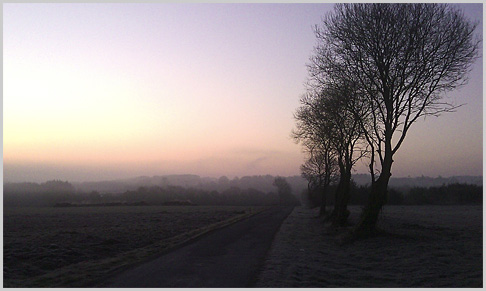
(76, 246)
(421, 246)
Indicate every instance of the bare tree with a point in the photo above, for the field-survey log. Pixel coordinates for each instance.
(284, 189)
(330, 130)
(342, 116)
(319, 170)
(314, 133)
(403, 57)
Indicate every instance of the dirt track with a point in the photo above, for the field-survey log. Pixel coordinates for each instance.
(229, 257)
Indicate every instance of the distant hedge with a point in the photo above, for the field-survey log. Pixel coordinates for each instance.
(446, 195)
(452, 194)
(40, 195)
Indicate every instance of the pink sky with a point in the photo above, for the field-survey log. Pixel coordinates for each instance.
(102, 91)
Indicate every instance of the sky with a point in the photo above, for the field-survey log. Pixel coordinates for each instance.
(105, 91)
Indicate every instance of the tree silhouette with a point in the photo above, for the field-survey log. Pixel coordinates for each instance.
(328, 125)
(284, 189)
(403, 57)
(342, 110)
(315, 135)
(319, 170)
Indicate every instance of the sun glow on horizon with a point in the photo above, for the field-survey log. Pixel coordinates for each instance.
(71, 113)
(155, 88)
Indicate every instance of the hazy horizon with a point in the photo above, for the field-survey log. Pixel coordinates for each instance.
(105, 91)
(121, 178)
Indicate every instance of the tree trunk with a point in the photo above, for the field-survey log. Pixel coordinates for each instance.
(322, 211)
(377, 198)
(342, 214)
(337, 194)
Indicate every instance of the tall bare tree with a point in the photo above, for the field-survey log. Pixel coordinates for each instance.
(328, 126)
(319, 170)
(315, 135)
(404, 57)
(342, 110)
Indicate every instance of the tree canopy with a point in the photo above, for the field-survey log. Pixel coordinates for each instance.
(376, 69)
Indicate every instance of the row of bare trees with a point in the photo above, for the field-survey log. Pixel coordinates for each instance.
(376, 69)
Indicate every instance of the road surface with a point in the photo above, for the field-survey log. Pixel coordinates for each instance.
(228, 257)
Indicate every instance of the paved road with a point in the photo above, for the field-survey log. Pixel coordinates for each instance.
(228, 257)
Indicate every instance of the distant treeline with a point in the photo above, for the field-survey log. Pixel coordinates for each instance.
(262, 183)
(452, 194)
(230, 196)
(58, 193)
(33, 194)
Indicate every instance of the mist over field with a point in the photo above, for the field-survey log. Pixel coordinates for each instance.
(258, 182)
(171, 145)
(260, 190)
